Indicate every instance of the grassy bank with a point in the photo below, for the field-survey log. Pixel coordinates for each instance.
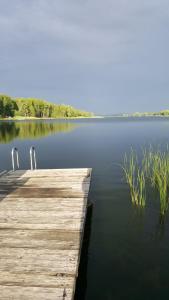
(18, 118)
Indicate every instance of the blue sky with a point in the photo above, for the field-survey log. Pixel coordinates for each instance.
(106, 56)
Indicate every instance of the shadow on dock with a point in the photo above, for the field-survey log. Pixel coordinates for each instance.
(9, 185)
(81, 283)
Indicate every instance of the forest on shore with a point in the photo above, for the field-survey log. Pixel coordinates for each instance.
(11, 107)
(164, 113)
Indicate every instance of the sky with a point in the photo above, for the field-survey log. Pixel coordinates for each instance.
(108, 57)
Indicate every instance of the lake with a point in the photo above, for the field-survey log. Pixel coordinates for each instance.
(126, 250)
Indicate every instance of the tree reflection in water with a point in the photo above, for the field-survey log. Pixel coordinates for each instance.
(32, 130)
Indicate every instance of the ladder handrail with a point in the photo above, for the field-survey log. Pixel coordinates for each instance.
(33, 158)
(13, 152)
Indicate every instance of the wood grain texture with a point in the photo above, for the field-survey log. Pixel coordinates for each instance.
(42, 217)
(37, 239)
(40, 280)
(34, 293)
(39, 204)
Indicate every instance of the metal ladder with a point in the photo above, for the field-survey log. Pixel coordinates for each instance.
(33, 158)
(15, 158)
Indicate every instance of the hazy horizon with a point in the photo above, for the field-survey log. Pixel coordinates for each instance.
(106, 57)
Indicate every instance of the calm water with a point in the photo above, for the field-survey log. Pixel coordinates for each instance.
(126, 251)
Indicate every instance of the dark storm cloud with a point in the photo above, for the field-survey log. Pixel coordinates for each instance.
(105, 56)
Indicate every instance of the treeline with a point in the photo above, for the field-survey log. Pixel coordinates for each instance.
(32, 107)
(151, 114)
(164, 113)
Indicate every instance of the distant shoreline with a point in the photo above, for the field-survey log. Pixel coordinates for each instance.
(81, 117)
(136, 116)
(43, 119)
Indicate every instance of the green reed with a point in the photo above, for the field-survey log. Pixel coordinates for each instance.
(160, 177)
(141, 187)
(153, 169)
(135, 178)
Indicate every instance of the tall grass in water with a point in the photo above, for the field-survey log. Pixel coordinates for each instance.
(160, 177)
(141, 186)
(154, 168)
(135, 178)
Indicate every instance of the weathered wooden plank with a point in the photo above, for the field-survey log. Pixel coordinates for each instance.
(46, 222)
(40, 216)
(60, 185)
(36, 280)
(36, 239)
(63, 224)
(82, 171)
(46, 200)
(35, 293)
(45, 261)
(43, 193)
(49, 173)
(47, 180)
(27, 222)
(44, 266)
(47, 204)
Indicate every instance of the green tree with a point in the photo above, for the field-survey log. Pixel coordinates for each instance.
(32, 107)
(7, 106)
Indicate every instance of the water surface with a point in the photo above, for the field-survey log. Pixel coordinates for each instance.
(128, 249)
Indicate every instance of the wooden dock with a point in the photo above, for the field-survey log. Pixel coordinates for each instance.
(42, 217)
